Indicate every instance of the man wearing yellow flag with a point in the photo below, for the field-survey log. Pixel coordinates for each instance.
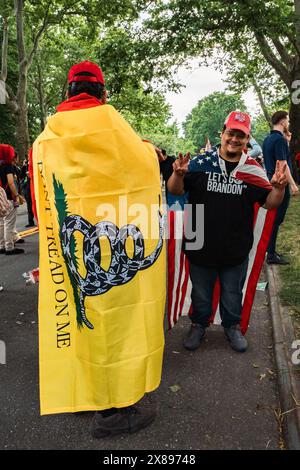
(102, 260)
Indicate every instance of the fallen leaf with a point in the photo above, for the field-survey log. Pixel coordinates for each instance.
(255, 365)
(262, 376)
(175, 388)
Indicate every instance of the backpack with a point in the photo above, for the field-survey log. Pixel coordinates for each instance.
(4, 204)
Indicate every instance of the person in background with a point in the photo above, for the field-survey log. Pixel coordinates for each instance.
(166, 165)
(293, 186)
(275, 147)
(8, 223)
(166, 170)
(297, 159)
(254, 149)
(21, 200)
(27, 193)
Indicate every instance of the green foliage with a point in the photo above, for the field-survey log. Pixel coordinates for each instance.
(289, 243)
(100, 31)
(7, 128)
(188, 27)
(127, 69)
(260, 129)
(167, 137)
(138, 44)
(256, 42)
(206, 120)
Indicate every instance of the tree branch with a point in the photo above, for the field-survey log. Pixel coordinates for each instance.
(262, 102)
(272, 59)
(39, 34)
(19, 7)
(11, 95)
(285, 56)
(293, 42)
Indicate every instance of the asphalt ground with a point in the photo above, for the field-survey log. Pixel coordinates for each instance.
(213, 398)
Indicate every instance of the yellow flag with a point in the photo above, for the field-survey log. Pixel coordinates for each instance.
(102, 262)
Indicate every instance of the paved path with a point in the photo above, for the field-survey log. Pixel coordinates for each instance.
(213, 398)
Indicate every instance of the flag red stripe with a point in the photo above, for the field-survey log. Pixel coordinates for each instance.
(171, 263)
(184, 286)
(256, 269)
(255, 180)
(182, 261)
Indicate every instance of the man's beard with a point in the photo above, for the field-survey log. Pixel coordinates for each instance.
(231, 154)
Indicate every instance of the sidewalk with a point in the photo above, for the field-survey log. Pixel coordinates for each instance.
(288, 371)
(213, 398)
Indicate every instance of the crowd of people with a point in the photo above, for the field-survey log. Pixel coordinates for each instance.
(228, 231)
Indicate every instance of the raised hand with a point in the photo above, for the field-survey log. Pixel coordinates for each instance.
(279, 179)
(161, 157)
(180, 166)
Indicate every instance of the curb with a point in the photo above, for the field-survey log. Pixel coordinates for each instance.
(288, 373)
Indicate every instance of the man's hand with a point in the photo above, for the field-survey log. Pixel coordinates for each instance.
(180, 166)
(279, 182)
(279, 179)
(294, 189)
(160, 155)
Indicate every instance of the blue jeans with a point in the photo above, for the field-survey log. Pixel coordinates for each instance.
(232, 281)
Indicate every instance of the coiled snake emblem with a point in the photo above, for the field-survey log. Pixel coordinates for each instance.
(122, 268)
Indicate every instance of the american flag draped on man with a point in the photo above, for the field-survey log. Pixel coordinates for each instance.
(179, 285)
(246, 173)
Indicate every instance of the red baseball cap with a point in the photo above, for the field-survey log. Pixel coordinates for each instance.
(240, 121)
(86, 66)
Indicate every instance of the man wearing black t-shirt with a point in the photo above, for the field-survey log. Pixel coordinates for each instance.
(228, 228)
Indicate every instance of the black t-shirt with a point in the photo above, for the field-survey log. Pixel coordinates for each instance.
(4, 171)
(228, 216)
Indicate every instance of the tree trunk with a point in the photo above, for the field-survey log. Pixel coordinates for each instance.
(295, 115)
(295, 130)
(41, 97)
(22, 132)
(3, 71)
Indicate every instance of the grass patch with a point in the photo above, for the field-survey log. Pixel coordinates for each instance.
(289, 243)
